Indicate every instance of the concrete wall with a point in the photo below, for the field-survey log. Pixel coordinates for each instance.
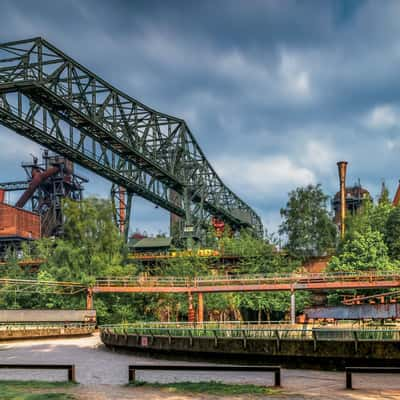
(29, 333)
(47, 316)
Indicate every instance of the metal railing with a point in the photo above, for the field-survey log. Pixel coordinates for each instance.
(199, 281)
(257, 332)
(202, 281)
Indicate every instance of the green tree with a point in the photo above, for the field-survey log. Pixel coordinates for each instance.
(384, 195)
(365, 246)
(306, 224)
(92, 247)
(362, 252)
(369, 216)
(392, 234)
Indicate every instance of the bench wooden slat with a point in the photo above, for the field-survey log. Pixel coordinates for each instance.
(69, 367)
(378, 370)
(367, 370)
(179, 367)
(206, 367)
(35, 366)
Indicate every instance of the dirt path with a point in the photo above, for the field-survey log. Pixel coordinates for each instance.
(103, 374)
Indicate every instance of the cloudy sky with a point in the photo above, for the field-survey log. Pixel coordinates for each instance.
(275, 91)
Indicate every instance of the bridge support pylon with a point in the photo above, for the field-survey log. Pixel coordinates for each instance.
(200, 308)
(89, 299)
(191, 316)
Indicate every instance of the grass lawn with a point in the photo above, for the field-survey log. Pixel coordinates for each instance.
(34, 390)
(211, 387)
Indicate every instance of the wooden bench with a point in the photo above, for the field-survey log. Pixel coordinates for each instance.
(68, 367)
(276, 369)
(368, 370)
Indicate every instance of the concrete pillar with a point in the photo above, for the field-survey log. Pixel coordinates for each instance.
(191, 316)
(89, 299)
(292, 307)
(200, 308)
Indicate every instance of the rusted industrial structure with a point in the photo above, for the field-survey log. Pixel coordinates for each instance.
(355, 196)
(148, 153)
(396, 198)
(46, 185)
(348, 199)
(212, 284)
(17, 226)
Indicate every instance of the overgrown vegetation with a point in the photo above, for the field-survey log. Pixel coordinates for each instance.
(92, 247)
(372, 242)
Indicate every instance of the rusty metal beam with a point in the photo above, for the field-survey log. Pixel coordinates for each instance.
(26, 263)
(271, 287)
(218, 284)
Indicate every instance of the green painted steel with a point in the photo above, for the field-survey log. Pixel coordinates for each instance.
(50, 98)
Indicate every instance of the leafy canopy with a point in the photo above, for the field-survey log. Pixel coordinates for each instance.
(392, 233)
(365, 251)
(306, 224)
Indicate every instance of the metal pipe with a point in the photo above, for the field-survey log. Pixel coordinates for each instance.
(37, 178)
(342, 167)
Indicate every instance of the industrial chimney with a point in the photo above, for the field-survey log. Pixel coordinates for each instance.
(342, 166)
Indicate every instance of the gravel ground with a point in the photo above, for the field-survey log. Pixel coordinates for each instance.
(102, 374)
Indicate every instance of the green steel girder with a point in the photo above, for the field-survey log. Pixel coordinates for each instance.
(122, 205)
(66, 140)
(14, 186)
(53, 100)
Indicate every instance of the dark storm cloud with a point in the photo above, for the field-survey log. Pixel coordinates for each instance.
(274, 91)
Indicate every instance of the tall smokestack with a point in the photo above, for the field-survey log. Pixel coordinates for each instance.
(342, 166)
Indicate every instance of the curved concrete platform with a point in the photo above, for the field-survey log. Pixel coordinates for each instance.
(300, 353)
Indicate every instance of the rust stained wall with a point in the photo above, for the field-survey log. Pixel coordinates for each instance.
(317, 264)
(17, 222)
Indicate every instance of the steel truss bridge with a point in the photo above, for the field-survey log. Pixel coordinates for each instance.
(51, 99)
(213, 284)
